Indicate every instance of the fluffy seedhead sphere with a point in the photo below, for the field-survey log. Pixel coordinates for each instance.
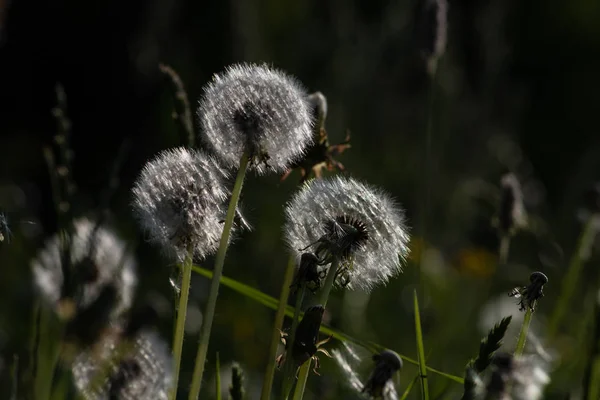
(97, 261)
(259, 110)
(359, 223)
(140, 369)
(180, 200)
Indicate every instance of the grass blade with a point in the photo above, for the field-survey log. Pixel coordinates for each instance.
(273, 303)
(421, 351)
(409, 387)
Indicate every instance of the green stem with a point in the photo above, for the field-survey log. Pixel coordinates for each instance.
(582, 253)
(421, 350)
(323, 298)
(186, 279)
(214, 284)
(523, 333)
(275, 335)
(302, 378)
(288, 369)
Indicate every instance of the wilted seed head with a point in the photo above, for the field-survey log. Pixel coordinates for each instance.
(259, 110)
(180, 200)
(140, 369)
(356, 363)
(529, 295)
(432, 30)
(236, 389)
(512, 215)
(318, 104)
(97, 260)
(387, 363)
(355, 221)
(515, 378)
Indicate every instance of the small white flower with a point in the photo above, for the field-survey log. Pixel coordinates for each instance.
(259, 110)
(331, 208)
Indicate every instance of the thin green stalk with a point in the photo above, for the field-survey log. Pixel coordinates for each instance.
(288, 368)
(523, 333)
(186, 279)
(409, 387)
(218, 378)
(47, 353)
(421, 351)
(209, 313)
(591, 381)
(574, 270)
(275, 335)
(323, 298)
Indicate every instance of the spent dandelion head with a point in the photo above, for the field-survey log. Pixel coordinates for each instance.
(516, 378)
(127, 369)
(179, 199)
(257, 110)
(530, 294)
(354, 222)
(356, 364)
(77, 272)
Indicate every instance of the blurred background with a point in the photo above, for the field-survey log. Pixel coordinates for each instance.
(515, 91)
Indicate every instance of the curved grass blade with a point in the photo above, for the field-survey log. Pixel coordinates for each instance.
(409, 387)
(273, 303)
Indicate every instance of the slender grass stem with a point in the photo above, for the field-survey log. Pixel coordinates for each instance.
(186, 279)
(421, 351)
(323, 298)
(582, 252)
(288, 368)
(218, 378)
(275, 335)
(209, 313)
(523, 333)
(504, 250)
(591, 383)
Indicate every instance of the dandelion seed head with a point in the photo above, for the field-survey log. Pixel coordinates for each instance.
(378, 257)
(179, 199)
(257, 109)
(512, 215)
(97, 259)
(143, 371)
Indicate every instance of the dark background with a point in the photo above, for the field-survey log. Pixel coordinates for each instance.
(517, 90)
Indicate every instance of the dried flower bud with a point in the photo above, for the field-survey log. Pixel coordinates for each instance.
(97, 262)
(308, 273)
(387, 363)
(512, 215)
(259, 110)
(180, 200)
(125, 370)
(529, 295)
(318, 103)
(236, 389)
(361, 225)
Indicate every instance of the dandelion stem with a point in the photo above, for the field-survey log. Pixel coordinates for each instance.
(180, 321)
(324, 296)
(275, 335)
(504, 249)
(523, 333)
(214, 284)
(288, 370)
(582, 253)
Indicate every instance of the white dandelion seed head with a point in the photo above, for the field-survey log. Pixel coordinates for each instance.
(95, 248)
(257, 109)
(180, 200)
(320, 201)
(144, 370)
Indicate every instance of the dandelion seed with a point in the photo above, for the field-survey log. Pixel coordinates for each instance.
(258, 110)
(97, 260)
(180, 200)
(362, 225)
(140, 369)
